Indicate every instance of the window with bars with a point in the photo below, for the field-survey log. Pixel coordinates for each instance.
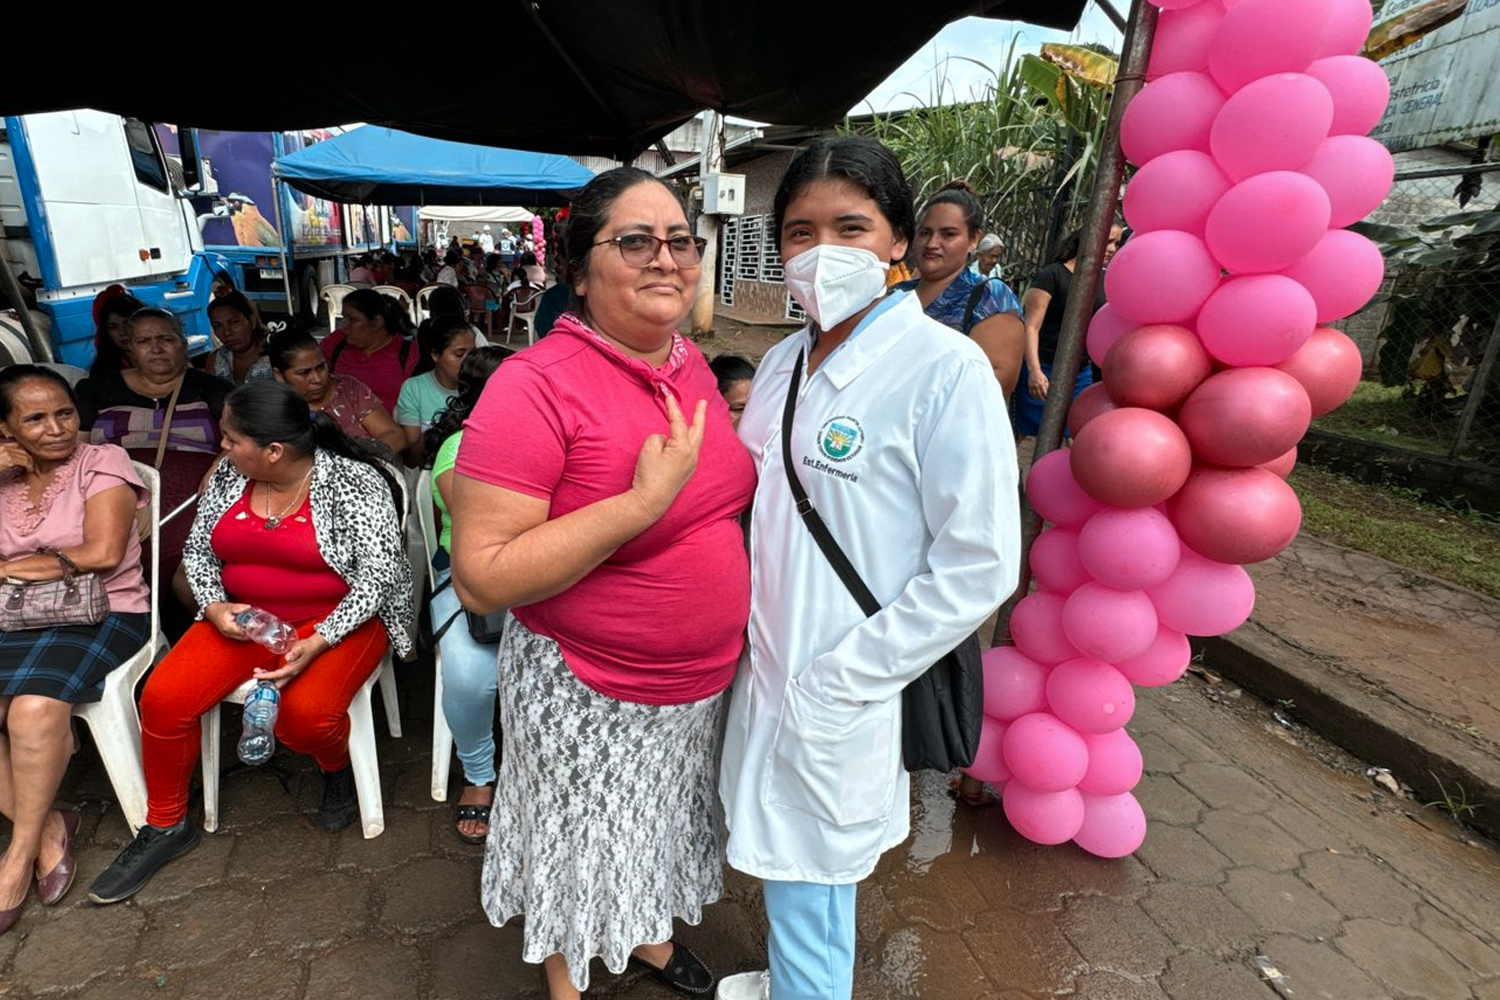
(728, 247)
(751, 242)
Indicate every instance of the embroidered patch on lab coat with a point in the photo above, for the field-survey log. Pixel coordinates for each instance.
(840, 439)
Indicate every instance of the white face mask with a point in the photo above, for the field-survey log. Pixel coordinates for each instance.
(834, 282)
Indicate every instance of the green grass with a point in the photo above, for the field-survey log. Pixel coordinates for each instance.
(1459, 546)
(1385, 414)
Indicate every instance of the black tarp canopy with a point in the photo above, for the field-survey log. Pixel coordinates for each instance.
(604, 77)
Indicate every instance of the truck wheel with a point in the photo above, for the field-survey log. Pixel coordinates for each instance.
(14, 349)
(310, 306)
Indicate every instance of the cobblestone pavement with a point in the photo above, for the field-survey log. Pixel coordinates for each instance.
(1256, 848)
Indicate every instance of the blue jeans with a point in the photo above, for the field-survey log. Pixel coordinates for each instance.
(471, 680)
(812, 940)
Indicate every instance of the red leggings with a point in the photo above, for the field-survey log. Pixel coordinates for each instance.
(203, 667)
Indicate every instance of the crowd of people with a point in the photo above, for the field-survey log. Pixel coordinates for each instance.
(682, 679)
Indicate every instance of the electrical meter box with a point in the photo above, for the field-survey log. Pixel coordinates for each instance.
(724, 194)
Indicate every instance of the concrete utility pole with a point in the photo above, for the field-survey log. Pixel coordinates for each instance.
(711, 162)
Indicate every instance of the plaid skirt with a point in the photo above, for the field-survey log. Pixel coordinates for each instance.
(70, 662)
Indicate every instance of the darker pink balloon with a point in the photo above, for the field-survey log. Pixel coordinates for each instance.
(1257, 319)
(1273, 124)
(1235, 515)
(1161, 277)
(1203, 597)
(1328, 366)
(1108, 624)
(1267, 222)
(1355, 172)
(1114, 826)
(1175, 111)
(1014, 684)
(1155, 366)
(1115, 764)
(1043, 817)
(1128, 549)
(1341, 273)
(1087, 405)
(1360, 91)
(1090, 696)
(1164, 661)
(1348, 27)
(1055, 494)
(1183, 38)
(1130, 457)
(1037, 630)
(1245, 416)
(1043, 753)
(1175, 191)
(1105, 328)
(1261, 37)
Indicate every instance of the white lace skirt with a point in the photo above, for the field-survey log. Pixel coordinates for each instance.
(606, 822)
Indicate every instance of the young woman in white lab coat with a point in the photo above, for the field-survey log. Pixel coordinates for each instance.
(901, 441)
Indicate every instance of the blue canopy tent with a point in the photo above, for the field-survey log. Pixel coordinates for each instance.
(372, 165)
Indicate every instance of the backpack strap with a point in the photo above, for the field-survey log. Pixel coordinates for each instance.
(974, 296)
(333, 357)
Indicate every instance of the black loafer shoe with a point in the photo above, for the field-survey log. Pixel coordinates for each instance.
(684, 972)
(141, 859)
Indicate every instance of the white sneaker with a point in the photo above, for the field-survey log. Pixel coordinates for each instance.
(745, 986)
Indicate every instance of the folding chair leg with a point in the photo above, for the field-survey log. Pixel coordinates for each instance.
(210, 749)
(442, 737)
(388, 695)
(366, 766)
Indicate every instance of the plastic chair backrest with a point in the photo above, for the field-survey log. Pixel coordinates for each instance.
(427, 515)
(152, 479)
(400, 295)
(527, 299)
(72, 373)
(423, 294)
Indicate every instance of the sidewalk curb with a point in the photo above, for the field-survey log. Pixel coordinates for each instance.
(1356, 716)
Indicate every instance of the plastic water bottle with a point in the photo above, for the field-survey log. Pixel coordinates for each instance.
(258, 737)
(266, 629)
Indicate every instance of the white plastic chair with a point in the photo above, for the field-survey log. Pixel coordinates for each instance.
(114, 720)
(72, 373)
(442, 736)
(423, 294)
(523, 312)
(400, 295)
(333, 300)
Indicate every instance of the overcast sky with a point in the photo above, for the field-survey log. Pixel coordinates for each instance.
(981, 39)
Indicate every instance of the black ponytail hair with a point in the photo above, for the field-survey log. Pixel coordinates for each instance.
(372, 303)
(269, 412)
(478, 366)
(1068, 248)
(958, 193)
(434, 336)
(287, 344)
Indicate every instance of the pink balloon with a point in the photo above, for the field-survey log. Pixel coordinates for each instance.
(1348, 27)
(1328, 366)
(1233, 515)
(1245, 416)
(1163, 662)
(1357, 174)
(1090, 695)
(1174, 4)
(1014, 684)
(1176, 190)
(1087, 405)
(1113, 826)
(1261, 37)
(1036, 628)
(1129, 549)
(1044, 754)
(1055, 494)
(1204, 597)
(1137, 281)
(1155, 366)
(1341, 273)
(1273, 124)
(1105, 328)
(1267, 222)
(1043, 817)
(1258, 319)
(1115, 764)
(1183, 38)
(1107, 623)
(1282, 465)
(1054, 562)
(989, 758)
(1360, 91)
(1172, 112)
(1130, 457)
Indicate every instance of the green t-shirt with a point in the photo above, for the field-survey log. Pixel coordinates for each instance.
(421, 399)
(447, 456)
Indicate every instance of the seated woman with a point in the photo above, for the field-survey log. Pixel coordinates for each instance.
(164, 413)
(299, 521)
(238, 326)
(469, 676)
(112, 307)
(59, 499)
(297, 361)
(445, 301)
(372, 344)
(444, 341)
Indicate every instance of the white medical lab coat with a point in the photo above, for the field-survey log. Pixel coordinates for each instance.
(902, 443)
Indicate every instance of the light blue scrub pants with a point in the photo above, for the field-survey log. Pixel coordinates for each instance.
(471, 679)
(812, 940)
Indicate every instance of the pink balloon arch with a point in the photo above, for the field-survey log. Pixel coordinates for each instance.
(1249, 139)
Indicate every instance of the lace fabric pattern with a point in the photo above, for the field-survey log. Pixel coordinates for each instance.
(18, 507)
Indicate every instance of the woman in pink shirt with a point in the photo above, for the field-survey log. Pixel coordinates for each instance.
(598, 492)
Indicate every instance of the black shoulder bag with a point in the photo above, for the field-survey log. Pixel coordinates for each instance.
(974, 296)
(941, 711)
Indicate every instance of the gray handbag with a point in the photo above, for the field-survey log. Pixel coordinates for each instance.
(75, 599)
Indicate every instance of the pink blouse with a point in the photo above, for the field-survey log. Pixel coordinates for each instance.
(57, 522)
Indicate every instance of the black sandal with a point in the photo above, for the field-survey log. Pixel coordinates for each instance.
(684, 972)
(474, 812)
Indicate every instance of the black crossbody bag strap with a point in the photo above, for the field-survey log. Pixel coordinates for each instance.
(810, 517)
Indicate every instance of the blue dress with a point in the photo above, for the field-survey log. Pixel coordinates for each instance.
(949, 307)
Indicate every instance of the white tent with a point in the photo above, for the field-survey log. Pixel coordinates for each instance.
(463, 214)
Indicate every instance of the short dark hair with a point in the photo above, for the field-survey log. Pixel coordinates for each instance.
(369, 302)
(591, 210)
(729, 369)
(862, 162)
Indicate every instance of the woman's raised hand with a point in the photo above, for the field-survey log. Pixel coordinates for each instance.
(667, 461)
(13, 456)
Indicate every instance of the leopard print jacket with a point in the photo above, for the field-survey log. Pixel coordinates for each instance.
(358, 535)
